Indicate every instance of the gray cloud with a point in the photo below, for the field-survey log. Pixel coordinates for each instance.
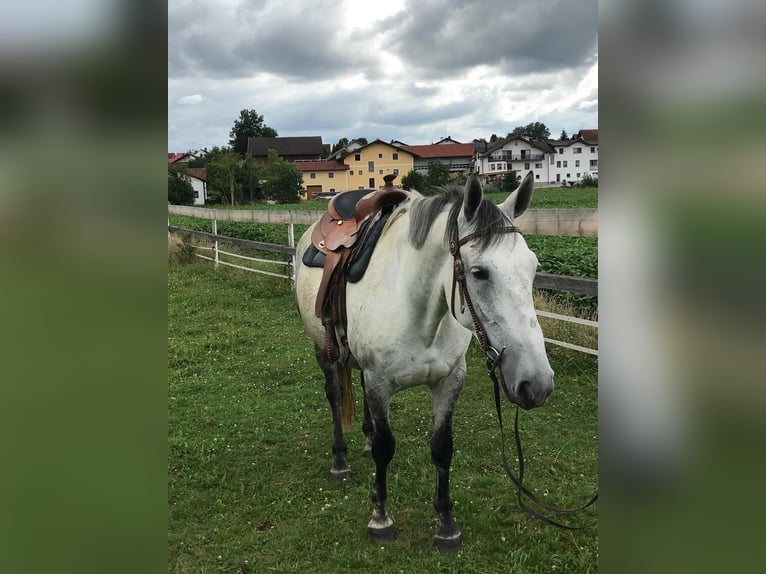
(449, 36)
(310, 71)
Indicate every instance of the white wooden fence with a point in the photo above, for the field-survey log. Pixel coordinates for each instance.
(563, 222)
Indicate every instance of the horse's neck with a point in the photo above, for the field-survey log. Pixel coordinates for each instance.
(427, 267)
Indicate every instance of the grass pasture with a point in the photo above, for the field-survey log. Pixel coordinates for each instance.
(249, 452)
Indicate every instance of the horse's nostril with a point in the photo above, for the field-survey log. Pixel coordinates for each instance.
(524, 391)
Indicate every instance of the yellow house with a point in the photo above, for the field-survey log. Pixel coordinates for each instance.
(323, 176)
(368, 164)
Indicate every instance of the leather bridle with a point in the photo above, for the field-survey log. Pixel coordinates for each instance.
(492, 357)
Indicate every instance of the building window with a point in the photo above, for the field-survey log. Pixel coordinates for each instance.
(526, 165)
(537, 176)
(561, 150)
(313, 175)
(358, 157)
(593, 150)
(577, 163)
(396, 171)
(578, 174)
(360, 187)
(565, 163)
(593, 163)
(371, 166)
(380, 171)
(558, 164)
(538, 165)
(332, 190)
(380, 156)
(331, 174)
(577, 150)
(569, 175)
(396, 156)
(372, 183)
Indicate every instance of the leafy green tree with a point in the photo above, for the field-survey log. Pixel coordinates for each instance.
(248, 125)
(414, 181)
(247, 177)
(438, 175)
(533, 131)
(281, 179)
(362, 141)
(564, 135)
(510, 181)
(180, 190)
(342, 142)
(222, 170)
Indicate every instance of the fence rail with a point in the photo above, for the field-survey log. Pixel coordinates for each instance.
(566, 222)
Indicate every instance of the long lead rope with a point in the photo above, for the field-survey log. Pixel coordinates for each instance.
(493, 358)
(521, 490)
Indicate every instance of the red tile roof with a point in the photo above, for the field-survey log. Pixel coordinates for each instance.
(441, 150)
(324, 165)
(588, 135)
(174, 157)
(198, 172)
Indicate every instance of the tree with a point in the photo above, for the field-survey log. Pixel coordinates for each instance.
(247, 177)
(180, 190)
(563, 135)
(510, 181)
(493, 138)
(342, 142)
(533, 131)
(281, 179)
(248, 125)
(438, 175)
(222, 169)
(414, 181)
(362, 141)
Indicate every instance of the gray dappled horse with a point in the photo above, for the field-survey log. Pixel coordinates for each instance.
(402, 332)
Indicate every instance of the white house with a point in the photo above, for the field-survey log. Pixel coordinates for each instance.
(518, 154)
(198, 178)
(551, 161)
(574, 157)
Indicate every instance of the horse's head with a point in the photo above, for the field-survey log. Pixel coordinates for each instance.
(499, 270)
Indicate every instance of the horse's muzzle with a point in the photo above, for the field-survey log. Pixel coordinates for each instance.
(530, 394)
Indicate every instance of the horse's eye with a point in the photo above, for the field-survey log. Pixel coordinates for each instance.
(480, 273)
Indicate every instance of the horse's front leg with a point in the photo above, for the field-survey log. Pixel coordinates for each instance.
(443, 397)
(340, 470)
(380, 527)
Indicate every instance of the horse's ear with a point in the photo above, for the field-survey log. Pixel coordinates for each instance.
(519, 200)
(472, 197)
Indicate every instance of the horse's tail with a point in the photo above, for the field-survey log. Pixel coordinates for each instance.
(347, 404)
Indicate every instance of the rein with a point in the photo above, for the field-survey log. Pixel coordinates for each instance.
(492, 357)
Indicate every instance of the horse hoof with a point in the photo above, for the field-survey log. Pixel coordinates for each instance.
(367, 452)
(340, 475)
(380, 535)
(448, 543)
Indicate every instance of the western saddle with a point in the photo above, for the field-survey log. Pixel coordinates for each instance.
(342, 244)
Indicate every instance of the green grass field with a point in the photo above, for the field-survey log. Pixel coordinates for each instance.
(249, 452)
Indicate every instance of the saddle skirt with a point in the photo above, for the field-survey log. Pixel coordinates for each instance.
(346, 233)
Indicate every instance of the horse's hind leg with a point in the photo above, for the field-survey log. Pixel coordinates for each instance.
(340, 470)
(443, 397)
(366, 424)
(381, 527)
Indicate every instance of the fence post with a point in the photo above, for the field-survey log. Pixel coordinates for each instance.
(215, 244)
(291, 243)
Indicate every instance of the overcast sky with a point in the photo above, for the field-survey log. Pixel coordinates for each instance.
(410, 70)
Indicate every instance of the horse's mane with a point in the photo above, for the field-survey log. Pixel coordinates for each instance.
(487, 222)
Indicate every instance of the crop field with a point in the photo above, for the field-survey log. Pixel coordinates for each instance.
(250, 451)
